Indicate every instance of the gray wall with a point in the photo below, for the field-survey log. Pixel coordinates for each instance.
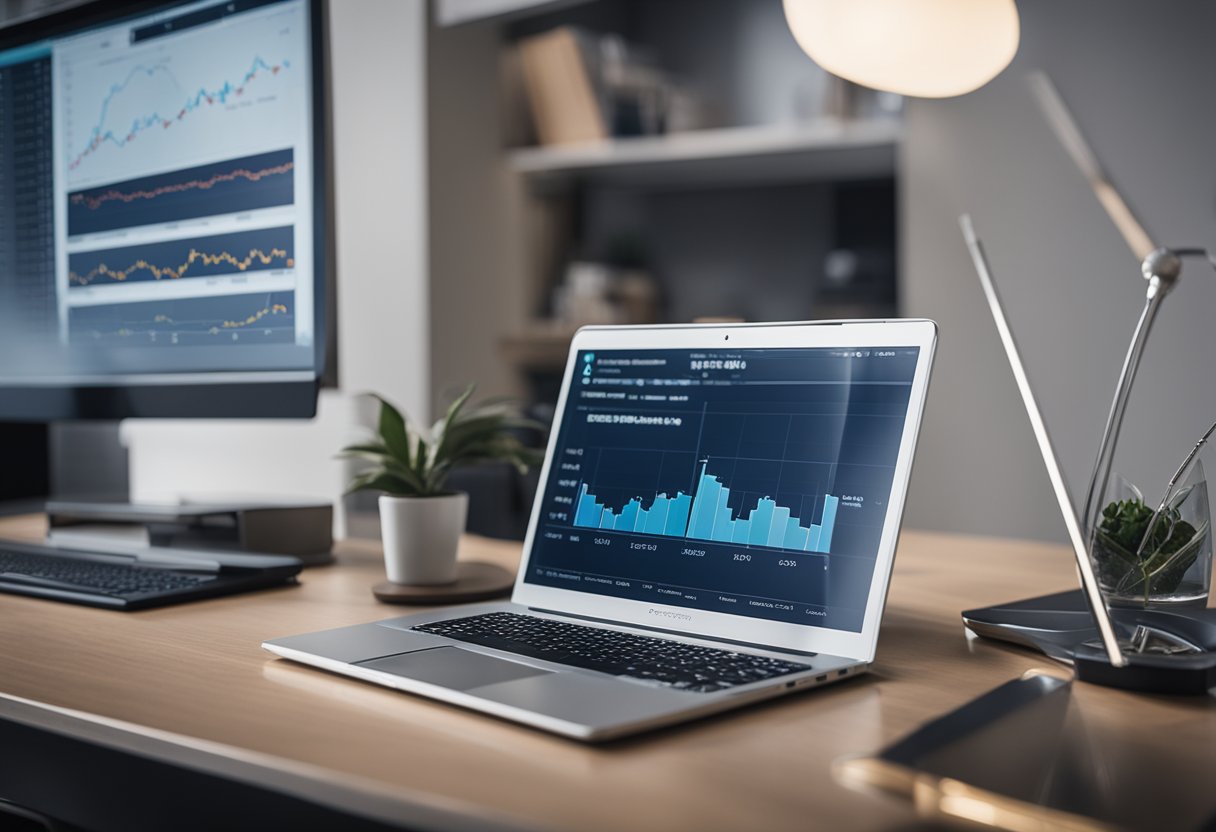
(1139, 78)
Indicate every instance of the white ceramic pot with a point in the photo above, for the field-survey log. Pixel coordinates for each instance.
(420, 537)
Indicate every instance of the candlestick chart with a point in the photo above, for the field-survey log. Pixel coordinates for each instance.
(242, 252)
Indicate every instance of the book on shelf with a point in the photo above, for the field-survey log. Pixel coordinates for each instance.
(560, 87)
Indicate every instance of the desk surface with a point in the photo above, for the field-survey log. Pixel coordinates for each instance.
(194, 676)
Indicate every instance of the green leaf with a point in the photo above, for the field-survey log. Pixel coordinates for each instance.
(366, 450)
(383, 481)
(409, 460)
(396, 468)
(442, 426)
(454, 407)
(393, 431)
(470, 431)
(421, 462)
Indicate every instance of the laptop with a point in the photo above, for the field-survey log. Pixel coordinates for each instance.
(716, 525)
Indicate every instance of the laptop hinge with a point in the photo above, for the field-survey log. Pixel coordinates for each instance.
(701, 636)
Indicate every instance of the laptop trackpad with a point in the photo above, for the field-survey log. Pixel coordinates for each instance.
(451, 667)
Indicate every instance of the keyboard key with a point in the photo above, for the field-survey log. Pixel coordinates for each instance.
(660, 661)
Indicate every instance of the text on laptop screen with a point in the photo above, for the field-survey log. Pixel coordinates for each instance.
(750, 481)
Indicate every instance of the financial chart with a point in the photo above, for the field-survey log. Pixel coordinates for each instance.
(263, 180)
(708, 516)
(162, 103)
(267, 318)
(183, 176)
(238, 253)
(753, 482)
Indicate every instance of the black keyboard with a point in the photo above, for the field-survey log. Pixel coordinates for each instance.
(659, 660)
(114, 581)
(93, 577)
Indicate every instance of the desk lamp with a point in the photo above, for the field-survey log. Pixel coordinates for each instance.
(1170, 651)
(1167, 652)
(945, 48)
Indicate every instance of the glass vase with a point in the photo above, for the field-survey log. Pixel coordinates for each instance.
(1158, 564)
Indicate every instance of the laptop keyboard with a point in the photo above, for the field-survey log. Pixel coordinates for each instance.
(90, 576)
(662, 661)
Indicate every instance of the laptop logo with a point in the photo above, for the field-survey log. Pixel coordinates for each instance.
(678, 616)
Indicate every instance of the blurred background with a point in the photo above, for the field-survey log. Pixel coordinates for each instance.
(508, 170)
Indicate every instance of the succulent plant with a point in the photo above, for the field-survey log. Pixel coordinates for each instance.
(1165, 558)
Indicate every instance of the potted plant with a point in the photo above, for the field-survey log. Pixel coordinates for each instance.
(420, 520)
(1155, 564)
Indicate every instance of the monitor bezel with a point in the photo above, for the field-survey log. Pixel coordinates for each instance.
(205, 394)
(804, 638)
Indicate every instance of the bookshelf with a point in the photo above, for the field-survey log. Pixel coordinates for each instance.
(748, 216)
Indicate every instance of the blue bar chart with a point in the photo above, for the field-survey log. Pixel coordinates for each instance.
(706, 515)
(666, 515)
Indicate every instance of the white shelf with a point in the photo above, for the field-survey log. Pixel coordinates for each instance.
(457, 12)
(827, 149)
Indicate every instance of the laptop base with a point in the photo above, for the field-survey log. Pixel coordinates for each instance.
(1061, 627)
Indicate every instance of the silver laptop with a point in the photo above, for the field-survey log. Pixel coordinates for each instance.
(716, 526)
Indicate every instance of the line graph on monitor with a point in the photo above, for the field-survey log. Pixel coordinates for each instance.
(242, 252)
(202, 95)
(120, 130)
(248, 183)
(264, 317)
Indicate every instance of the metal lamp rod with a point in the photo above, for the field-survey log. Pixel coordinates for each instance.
(1118, 407)
(1161, 269)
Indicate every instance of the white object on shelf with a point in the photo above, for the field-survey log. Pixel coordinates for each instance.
(829, 148)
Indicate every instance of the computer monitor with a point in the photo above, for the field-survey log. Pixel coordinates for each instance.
(164, 228)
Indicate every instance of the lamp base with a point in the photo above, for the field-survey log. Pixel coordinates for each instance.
(1060, 626)
(1192, 674)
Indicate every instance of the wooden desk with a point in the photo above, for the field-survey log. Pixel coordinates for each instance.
(192, 683)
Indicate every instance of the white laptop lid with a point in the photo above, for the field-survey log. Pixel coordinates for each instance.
(743, 482)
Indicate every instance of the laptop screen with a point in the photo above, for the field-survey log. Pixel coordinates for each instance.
(752, 481)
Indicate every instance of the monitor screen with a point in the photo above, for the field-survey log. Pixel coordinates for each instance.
(752, 482)
(160, 200)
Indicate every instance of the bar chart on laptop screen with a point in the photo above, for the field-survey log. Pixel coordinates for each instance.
(754, 482)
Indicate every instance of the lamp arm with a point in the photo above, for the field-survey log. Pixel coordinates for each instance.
(1100, 477)
(1161, 269)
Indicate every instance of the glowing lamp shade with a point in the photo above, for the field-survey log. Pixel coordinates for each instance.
(923, 48)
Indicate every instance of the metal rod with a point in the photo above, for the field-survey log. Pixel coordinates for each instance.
(1100, 477)
(1185, 467)
(1089, 580)
(1061, 121)
(1182, 471)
